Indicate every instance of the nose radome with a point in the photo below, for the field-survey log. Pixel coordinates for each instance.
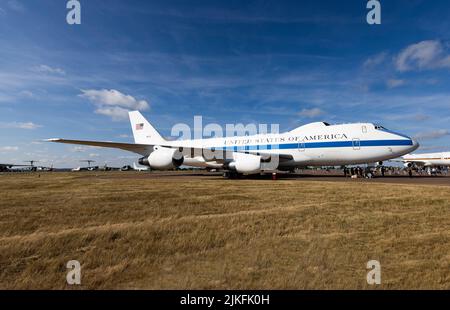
(415, 145)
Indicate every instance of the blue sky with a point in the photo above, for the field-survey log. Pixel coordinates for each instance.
(285, 62)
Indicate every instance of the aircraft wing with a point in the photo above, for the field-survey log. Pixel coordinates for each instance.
(145, 149)
(142, 149)
(148, 137)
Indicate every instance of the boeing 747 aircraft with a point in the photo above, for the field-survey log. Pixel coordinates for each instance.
(427, 160)
(315, 144)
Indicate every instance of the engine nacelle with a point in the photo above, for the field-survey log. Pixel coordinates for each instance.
(407, 165)
(163, 158)
(245, 163)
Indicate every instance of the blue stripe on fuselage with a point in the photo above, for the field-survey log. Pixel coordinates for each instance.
(316, 145)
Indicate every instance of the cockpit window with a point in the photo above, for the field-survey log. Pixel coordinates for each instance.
(326, 124)
(378, 127)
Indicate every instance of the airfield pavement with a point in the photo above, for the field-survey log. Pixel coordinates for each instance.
(196, 230)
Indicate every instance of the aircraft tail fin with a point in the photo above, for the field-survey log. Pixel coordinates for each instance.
(143, 131)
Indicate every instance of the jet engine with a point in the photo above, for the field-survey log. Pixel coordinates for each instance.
(163, 158)
(245, 163)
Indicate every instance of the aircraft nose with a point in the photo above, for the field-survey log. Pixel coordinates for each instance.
(415, 145)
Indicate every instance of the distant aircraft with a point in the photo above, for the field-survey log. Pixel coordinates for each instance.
(31, 162)
(89, 168)
(427, 160)
(38, 168)
(8, 167)
(41, 168)
(107, 168)
(90, 161)
(315, 144)
(24, 168)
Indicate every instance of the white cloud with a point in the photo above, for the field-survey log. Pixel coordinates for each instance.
(16, 5)
(48, 69)
(375, 60)
(311, 112)
(26, 93)
(9, 148)
(430, 135)
(434, 148)
(392, 83)
(82, 148)
(114, 98)
(28, 125)
(18, 125)
(421, 117)
(78, 149)
(113, 103)
(445, 62)
(423, 55)
(116, 113)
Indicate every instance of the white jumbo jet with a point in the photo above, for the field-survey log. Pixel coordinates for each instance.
(427, 160)
(314, 144)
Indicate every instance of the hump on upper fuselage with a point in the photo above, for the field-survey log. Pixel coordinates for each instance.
(316, 125)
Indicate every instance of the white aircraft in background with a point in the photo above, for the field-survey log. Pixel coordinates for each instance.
(9, 167)
(315, 144)
(136, 168)
(427, 160)
(24, 168)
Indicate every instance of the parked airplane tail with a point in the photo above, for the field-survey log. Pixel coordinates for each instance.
(143, 131)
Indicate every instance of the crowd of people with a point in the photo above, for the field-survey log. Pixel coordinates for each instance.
(381, 171)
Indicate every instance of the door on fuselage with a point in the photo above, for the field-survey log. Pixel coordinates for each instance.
(301, 146)
(356, 143)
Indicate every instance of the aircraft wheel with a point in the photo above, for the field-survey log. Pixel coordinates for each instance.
(231, 175)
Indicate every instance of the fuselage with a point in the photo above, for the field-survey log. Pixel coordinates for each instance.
(315, 144)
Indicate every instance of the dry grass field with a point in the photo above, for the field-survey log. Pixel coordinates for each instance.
(133, 231)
